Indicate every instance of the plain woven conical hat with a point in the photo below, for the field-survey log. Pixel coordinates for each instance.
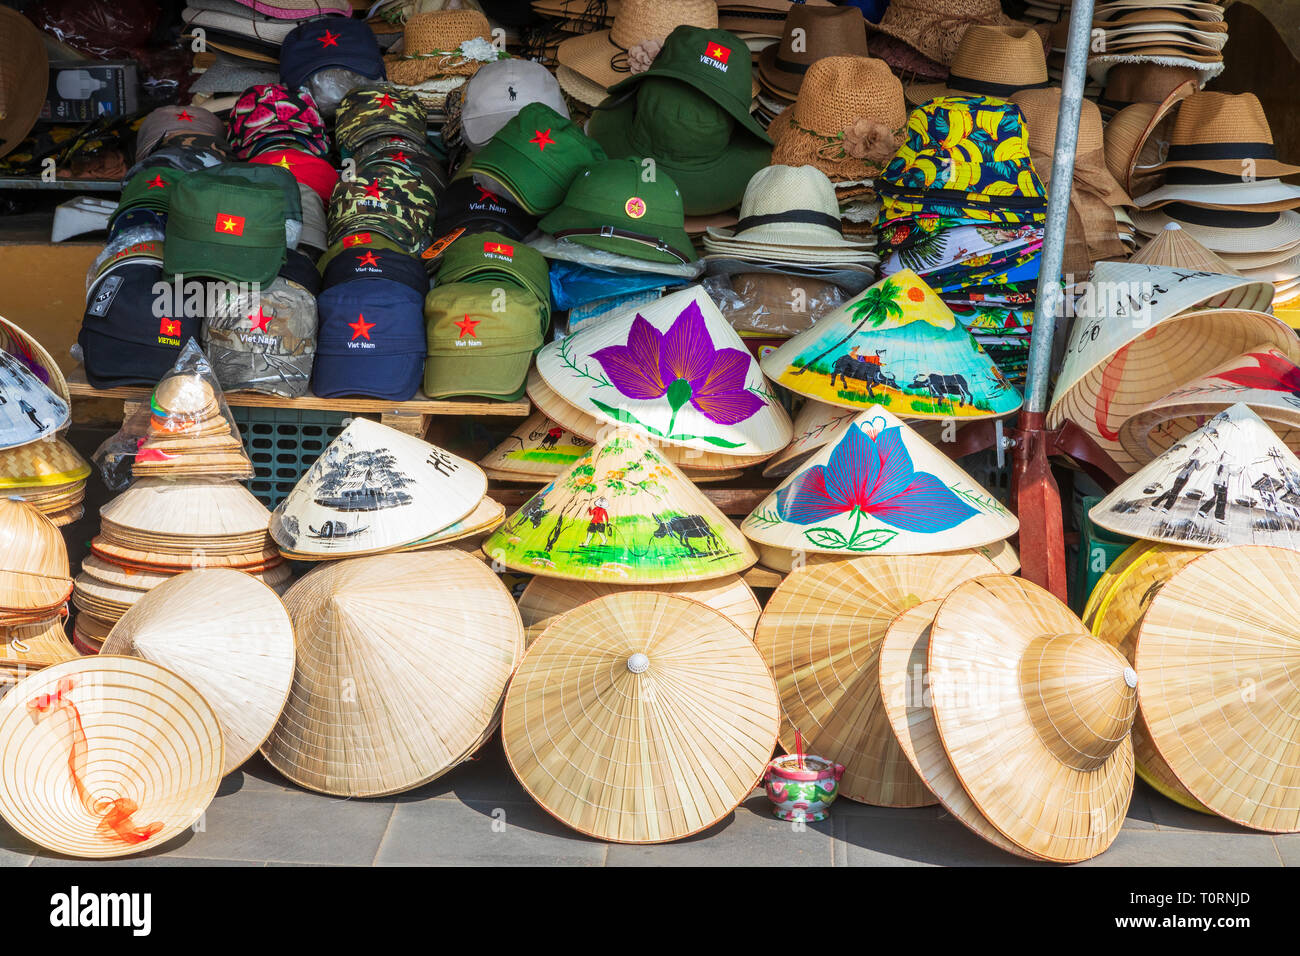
(621, 515)
(1034, 713)
(209, 508)
(820, 633)
(1175, 248)
(539, 447)
(877, 487)
(1219, 644)
(897, 342)
(241, 660)
(30, 542)
(30, 411)
(374, 488)
(1263, 379)
(674, 370)
(45, 463)
(402, 662)
(903, 658)
(545, 600)
(640, 717)
(147, 767)
(1230, 482)
(1141, 331)
(29, 646)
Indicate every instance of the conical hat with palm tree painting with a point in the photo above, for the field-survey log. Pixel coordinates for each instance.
(674, 370)
(896, 345)
(879, 488)
(623, 514)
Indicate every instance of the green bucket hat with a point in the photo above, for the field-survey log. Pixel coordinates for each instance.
(478, 348)
(612, 206)
(225, 226)
(482, 256)
(150, 188)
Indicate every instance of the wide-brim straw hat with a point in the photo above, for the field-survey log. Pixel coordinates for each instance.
(640, 717)
(24, 78)
(402, 661)
(1226, 231)
(106, 756)
(1034, 713)
(536, 447)
(810, 34)
(1041, 108)
(995, 61)
(820, 634)
(1173, 246)
(791, 210)
(431, 46)
(1206, 65)
(1224, 133)
(1133, 140)
(30, 542)
(241, 660)
(935, 27)
(1260, 195)
(1218, 646)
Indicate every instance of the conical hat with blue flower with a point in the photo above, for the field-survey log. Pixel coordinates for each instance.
(896, 345)
(674, 371)
(879, 488)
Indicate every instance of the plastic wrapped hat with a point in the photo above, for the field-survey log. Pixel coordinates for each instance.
(29, 410)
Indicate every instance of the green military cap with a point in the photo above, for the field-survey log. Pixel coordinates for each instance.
(485, 256)
(481, 339)
(150, 188)
(225, 226)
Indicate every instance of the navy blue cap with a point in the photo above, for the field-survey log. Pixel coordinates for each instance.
(372, 262)
(332, 41)
(467, 205)
(299, 268)
(371, 341)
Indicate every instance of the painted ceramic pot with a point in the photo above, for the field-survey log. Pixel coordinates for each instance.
(802, 794)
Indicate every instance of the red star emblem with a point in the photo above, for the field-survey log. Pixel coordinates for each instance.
(542, 139)
(467, 327)
(261, 320)
(329, 39)
(385, 101)
(157, 183)
(373, 190)
(486, 195)
(368, 259)
(361, 328)
(185, 117)
(400, 157)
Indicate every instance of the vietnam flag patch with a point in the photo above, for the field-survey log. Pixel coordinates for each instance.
(498, 249)
(169, 327)
(229, 225)
(716, 51)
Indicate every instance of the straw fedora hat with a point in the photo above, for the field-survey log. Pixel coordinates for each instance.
(402, 661)
(1217, 699)
(640, 717)
(990, 61)
(242, 660)
(1034, 713)
(1224, 133)
(432, 46)
(1135, 140)
(106, 756)
(789, 210)
(820, 634)
(1174, 247)
(24, 78)
(808, 35)
(934, 28)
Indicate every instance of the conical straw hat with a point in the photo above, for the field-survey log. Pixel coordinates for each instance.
(622, 515)
(1174, 247)
(1263, 379)
(23, 591)
(674, 370)
(214, 509)
(783, 560)
(31, 411)
(897, 344)
(30, 542)
(545, 600)
(241, 660)
(1113, 613)
(640, 717)
(903, 657)
(878, 487)
(485, 517)
(814, 425)
(1034, 714)
(538, 447)
(184, 558)
(35, 645)
(1190, 323)
(820, 634)
(96, 567)
(1219, 643)
(402, 662)
(375, 488)
(23, 346)
(1230, 482)
(106, 756)
(44, 463)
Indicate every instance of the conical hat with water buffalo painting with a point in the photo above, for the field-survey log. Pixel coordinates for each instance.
(879, 488)
(897, 345)
(623, 514)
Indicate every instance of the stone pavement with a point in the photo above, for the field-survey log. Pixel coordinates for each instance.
(479, 815)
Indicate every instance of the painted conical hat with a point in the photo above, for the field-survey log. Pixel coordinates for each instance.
(1219, 645)
(1264, 379)
(1034, 713)
(1123, 356)
(402, 662)
(209, 508)
(674, 370)
(241, 660)
(820, 633)
(878, 487)
(622, 515)
(30, 411)
(640, 717)
(106, 756)
(814, 425)
(538, 447)
(486, 516)
(897, 344)
(545, 600)
(904, 657)
(1232, 481)
(783, 560)
(23, 346)
(1174, 246)
(375, 488)
(44, 463)
(29, 541)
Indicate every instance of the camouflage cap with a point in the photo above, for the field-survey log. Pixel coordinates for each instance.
(401, 157)
(377, 109)
(264, 341)
(395, 204)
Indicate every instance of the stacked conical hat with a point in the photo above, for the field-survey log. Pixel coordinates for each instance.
(189, 434)
(106, 756)
(1034, 714)
(1174, 247)
(640, 717)
(34, 589)
(899, 345)
(1264, 379)
(674, 370)
(402, 663)
(537, 450)
(30, 411)
(89, 633)
(622, 514)
(50, 474)
(1141, 331)
(1230, 482)
(877, 487)
(375, 489)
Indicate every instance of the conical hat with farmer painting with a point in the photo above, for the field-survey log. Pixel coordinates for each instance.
(622, 514)
(674, 370)
(879, 488)
(896, 345)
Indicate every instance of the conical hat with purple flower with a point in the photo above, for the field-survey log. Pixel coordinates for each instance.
(674, 371)
(877, 487)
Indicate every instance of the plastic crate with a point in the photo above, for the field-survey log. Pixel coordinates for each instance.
(983, 467)
(1098, 549)
(282, 444)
